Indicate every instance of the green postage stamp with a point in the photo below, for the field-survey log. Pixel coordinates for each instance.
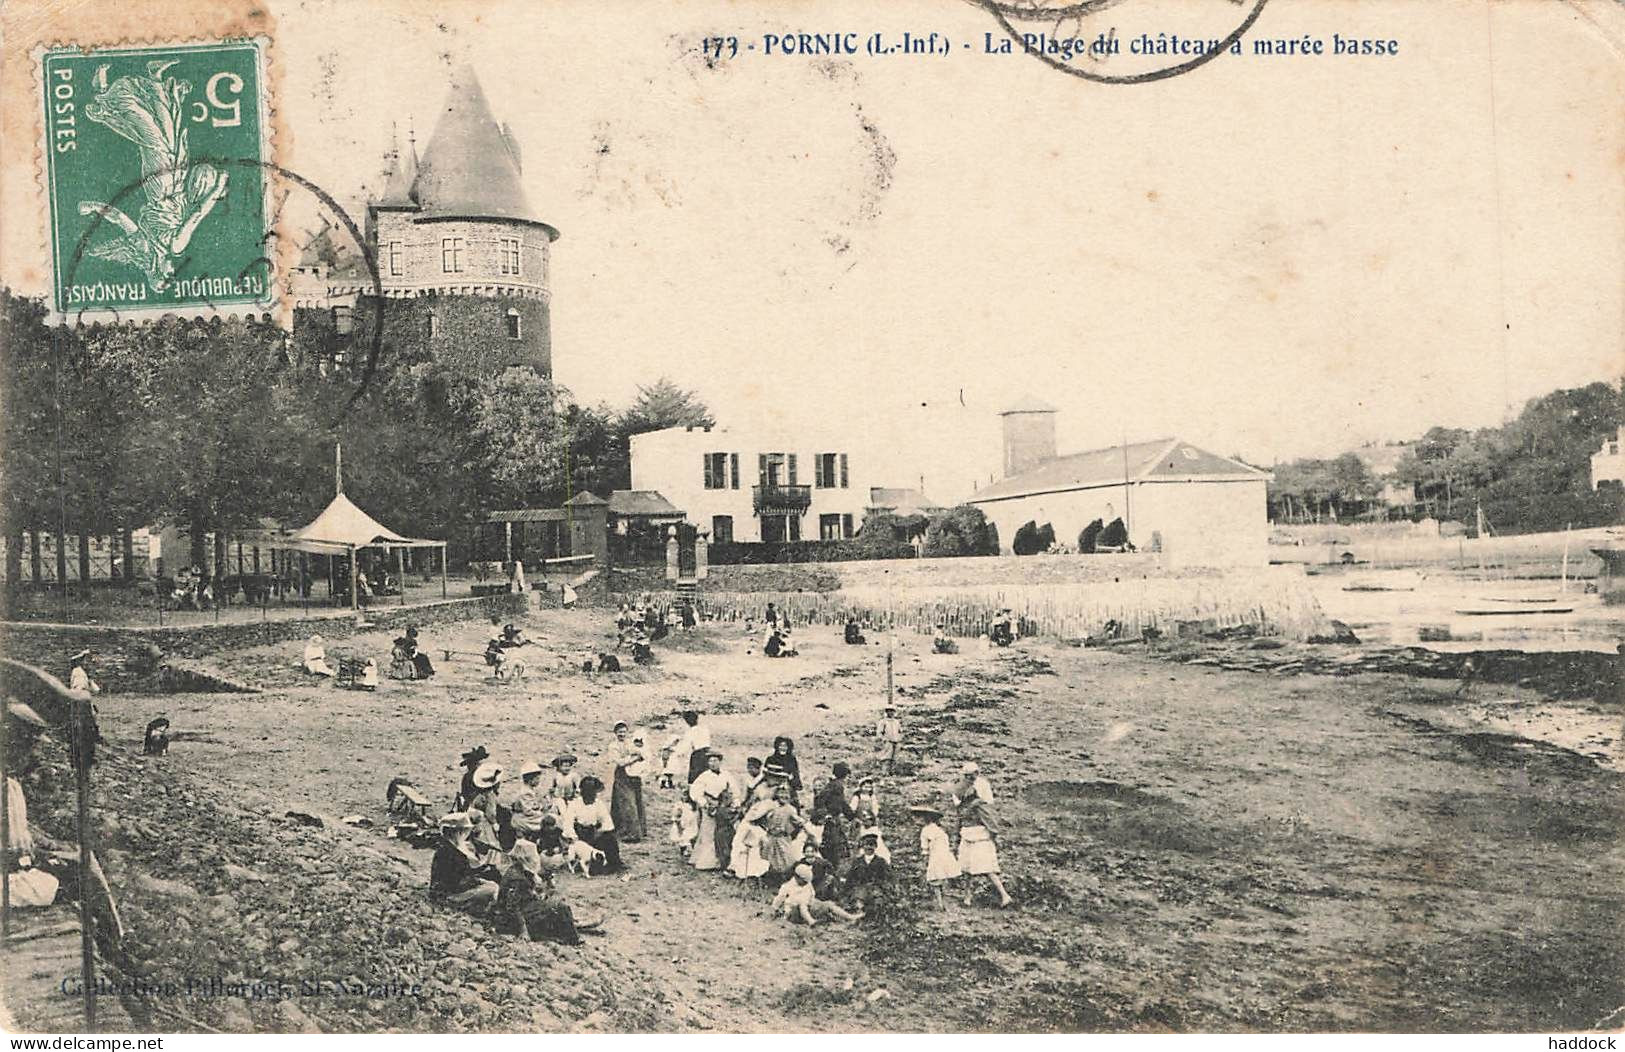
(156, 169)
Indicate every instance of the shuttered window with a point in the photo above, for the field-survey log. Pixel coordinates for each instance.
(843, 471)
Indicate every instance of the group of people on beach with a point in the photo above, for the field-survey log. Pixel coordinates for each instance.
(821, 845)
(765, 825)
(507, 835)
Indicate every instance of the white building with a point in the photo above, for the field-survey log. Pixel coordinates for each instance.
(1608, 463)
(1194, 506)
(743, 485)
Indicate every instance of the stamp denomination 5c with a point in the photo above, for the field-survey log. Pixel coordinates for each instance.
(154, 160)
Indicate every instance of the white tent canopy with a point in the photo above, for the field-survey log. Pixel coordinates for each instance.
(343, 527)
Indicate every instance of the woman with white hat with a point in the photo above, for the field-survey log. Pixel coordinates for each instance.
(978, 853)
(482, 804)
(461, 874)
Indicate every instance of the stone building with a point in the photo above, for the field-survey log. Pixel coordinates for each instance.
(1193, 506)
(462, 257)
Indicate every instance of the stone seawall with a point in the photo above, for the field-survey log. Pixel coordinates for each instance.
(120, 659)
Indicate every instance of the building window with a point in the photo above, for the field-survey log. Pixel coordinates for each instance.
(770, 469)
(394, 259)
(846, 526)
(716, 471)
(510, 255)
(510, 323)
(343, 320)
(433, 325)
(451, 255)
(733, 470)
(843, 471)
(829, 527)
(722, 529)
(824, 468)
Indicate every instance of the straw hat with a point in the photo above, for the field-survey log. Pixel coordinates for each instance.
(970, 768)
(872, 831)
(531, 767)
(486, 774)
(564, 758)
(456, 820)
(930, 810)
(804, 871)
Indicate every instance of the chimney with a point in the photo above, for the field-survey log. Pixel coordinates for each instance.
(1029, 435)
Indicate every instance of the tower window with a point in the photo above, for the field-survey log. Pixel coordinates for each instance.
(510, 255)
(510, 322)
(451, 255)
(343, 320)
(394, 259)
(434, 325)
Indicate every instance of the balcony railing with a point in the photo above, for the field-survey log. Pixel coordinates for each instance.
(781, 500)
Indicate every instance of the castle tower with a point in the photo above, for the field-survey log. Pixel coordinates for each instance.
(1029, 435)
(462, 256)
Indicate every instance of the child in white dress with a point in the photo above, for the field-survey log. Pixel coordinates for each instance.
(940, 864)
(685, 826)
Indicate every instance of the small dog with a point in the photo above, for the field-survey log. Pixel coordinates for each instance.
(156, 743)
(582, 856)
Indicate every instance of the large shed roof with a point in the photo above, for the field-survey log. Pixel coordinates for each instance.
(1164, 460)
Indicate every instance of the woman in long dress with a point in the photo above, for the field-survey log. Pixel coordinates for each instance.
(836, 811)
(710, 791)
(626, 794)
(978, 852)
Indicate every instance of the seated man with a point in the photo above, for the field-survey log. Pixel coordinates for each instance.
(941, 643)
(854, 634)
(461, 875)
(532, 803)
(774, 647)
(868, 878)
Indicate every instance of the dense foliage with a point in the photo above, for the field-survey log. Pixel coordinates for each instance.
(961, 530)
(1531, 474)
(216, 425)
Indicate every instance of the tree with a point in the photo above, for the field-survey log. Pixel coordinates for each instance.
(1027, 540)
(960, 530)
(1090, 536)
(661, 405)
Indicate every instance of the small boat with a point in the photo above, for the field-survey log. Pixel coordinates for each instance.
(1513, 610)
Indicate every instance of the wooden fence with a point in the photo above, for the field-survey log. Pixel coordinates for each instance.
(1275, 603)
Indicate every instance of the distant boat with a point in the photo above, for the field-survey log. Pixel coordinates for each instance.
(1385, 582)
(1515, 608)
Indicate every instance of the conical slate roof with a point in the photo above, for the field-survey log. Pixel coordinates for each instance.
(470, 169)
(398, 180)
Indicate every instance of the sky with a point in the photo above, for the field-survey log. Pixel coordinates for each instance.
(1269, 257)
